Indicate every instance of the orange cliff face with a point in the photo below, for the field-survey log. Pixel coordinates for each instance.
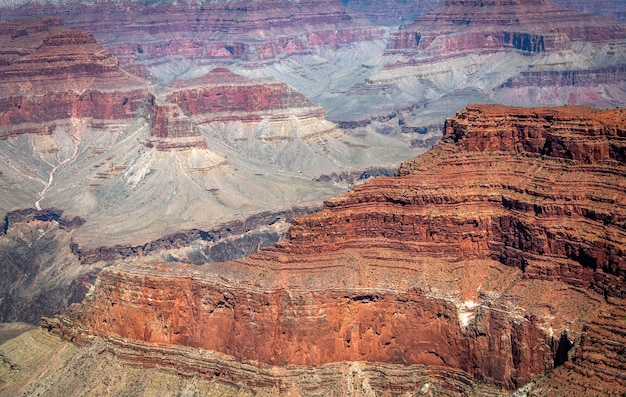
(489, 256)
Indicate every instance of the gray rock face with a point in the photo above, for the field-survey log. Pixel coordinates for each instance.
(39, 274)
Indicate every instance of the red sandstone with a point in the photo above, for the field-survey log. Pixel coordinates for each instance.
(490, 255)
(59, 74)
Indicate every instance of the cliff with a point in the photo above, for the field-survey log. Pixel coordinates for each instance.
(495, 255)
(49, 74)
(255, 31)
(531, 27)
(222, 95)
(230, 101)
(170, 128)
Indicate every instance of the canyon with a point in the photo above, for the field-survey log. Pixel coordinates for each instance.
(357, 61)
(513, 272)
(82, 134)
(150, 149)
(212, 166)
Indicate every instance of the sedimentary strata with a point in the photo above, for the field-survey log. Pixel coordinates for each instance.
(50, 74)
(224, 31)
(529, 26)
(496, 255)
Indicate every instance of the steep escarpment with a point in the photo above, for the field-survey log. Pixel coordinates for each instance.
(496, 255)
(512, 163)
(222, 95)
(224, 31)
(50, 74)
(535, 26)
(310, 328)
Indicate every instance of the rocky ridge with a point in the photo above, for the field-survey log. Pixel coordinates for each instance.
(222, 95)
(503, 275)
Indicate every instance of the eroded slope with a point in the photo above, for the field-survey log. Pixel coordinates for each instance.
(497, 255)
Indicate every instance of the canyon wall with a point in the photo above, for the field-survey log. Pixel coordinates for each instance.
(222, 95)
(607, 75)
(538, 26)
(255, 31)
(50, 74)
(497, 269)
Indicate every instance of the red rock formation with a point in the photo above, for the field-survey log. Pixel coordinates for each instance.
(564, 146)
(487, 256)
(58, 74)
(222, 95)
(597, 361)
(293, 326)
(170, 127)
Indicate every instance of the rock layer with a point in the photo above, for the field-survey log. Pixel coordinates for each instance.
(222, 95)
(225, 31)
(50, 74)
(535, 26)
(491, 255)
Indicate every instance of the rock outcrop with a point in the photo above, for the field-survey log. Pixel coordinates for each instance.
(528, 26)
(497, 255)
(170, 128)
(50, 74)
(222, 95)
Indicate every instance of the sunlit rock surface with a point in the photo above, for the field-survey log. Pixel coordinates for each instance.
(505, 271)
